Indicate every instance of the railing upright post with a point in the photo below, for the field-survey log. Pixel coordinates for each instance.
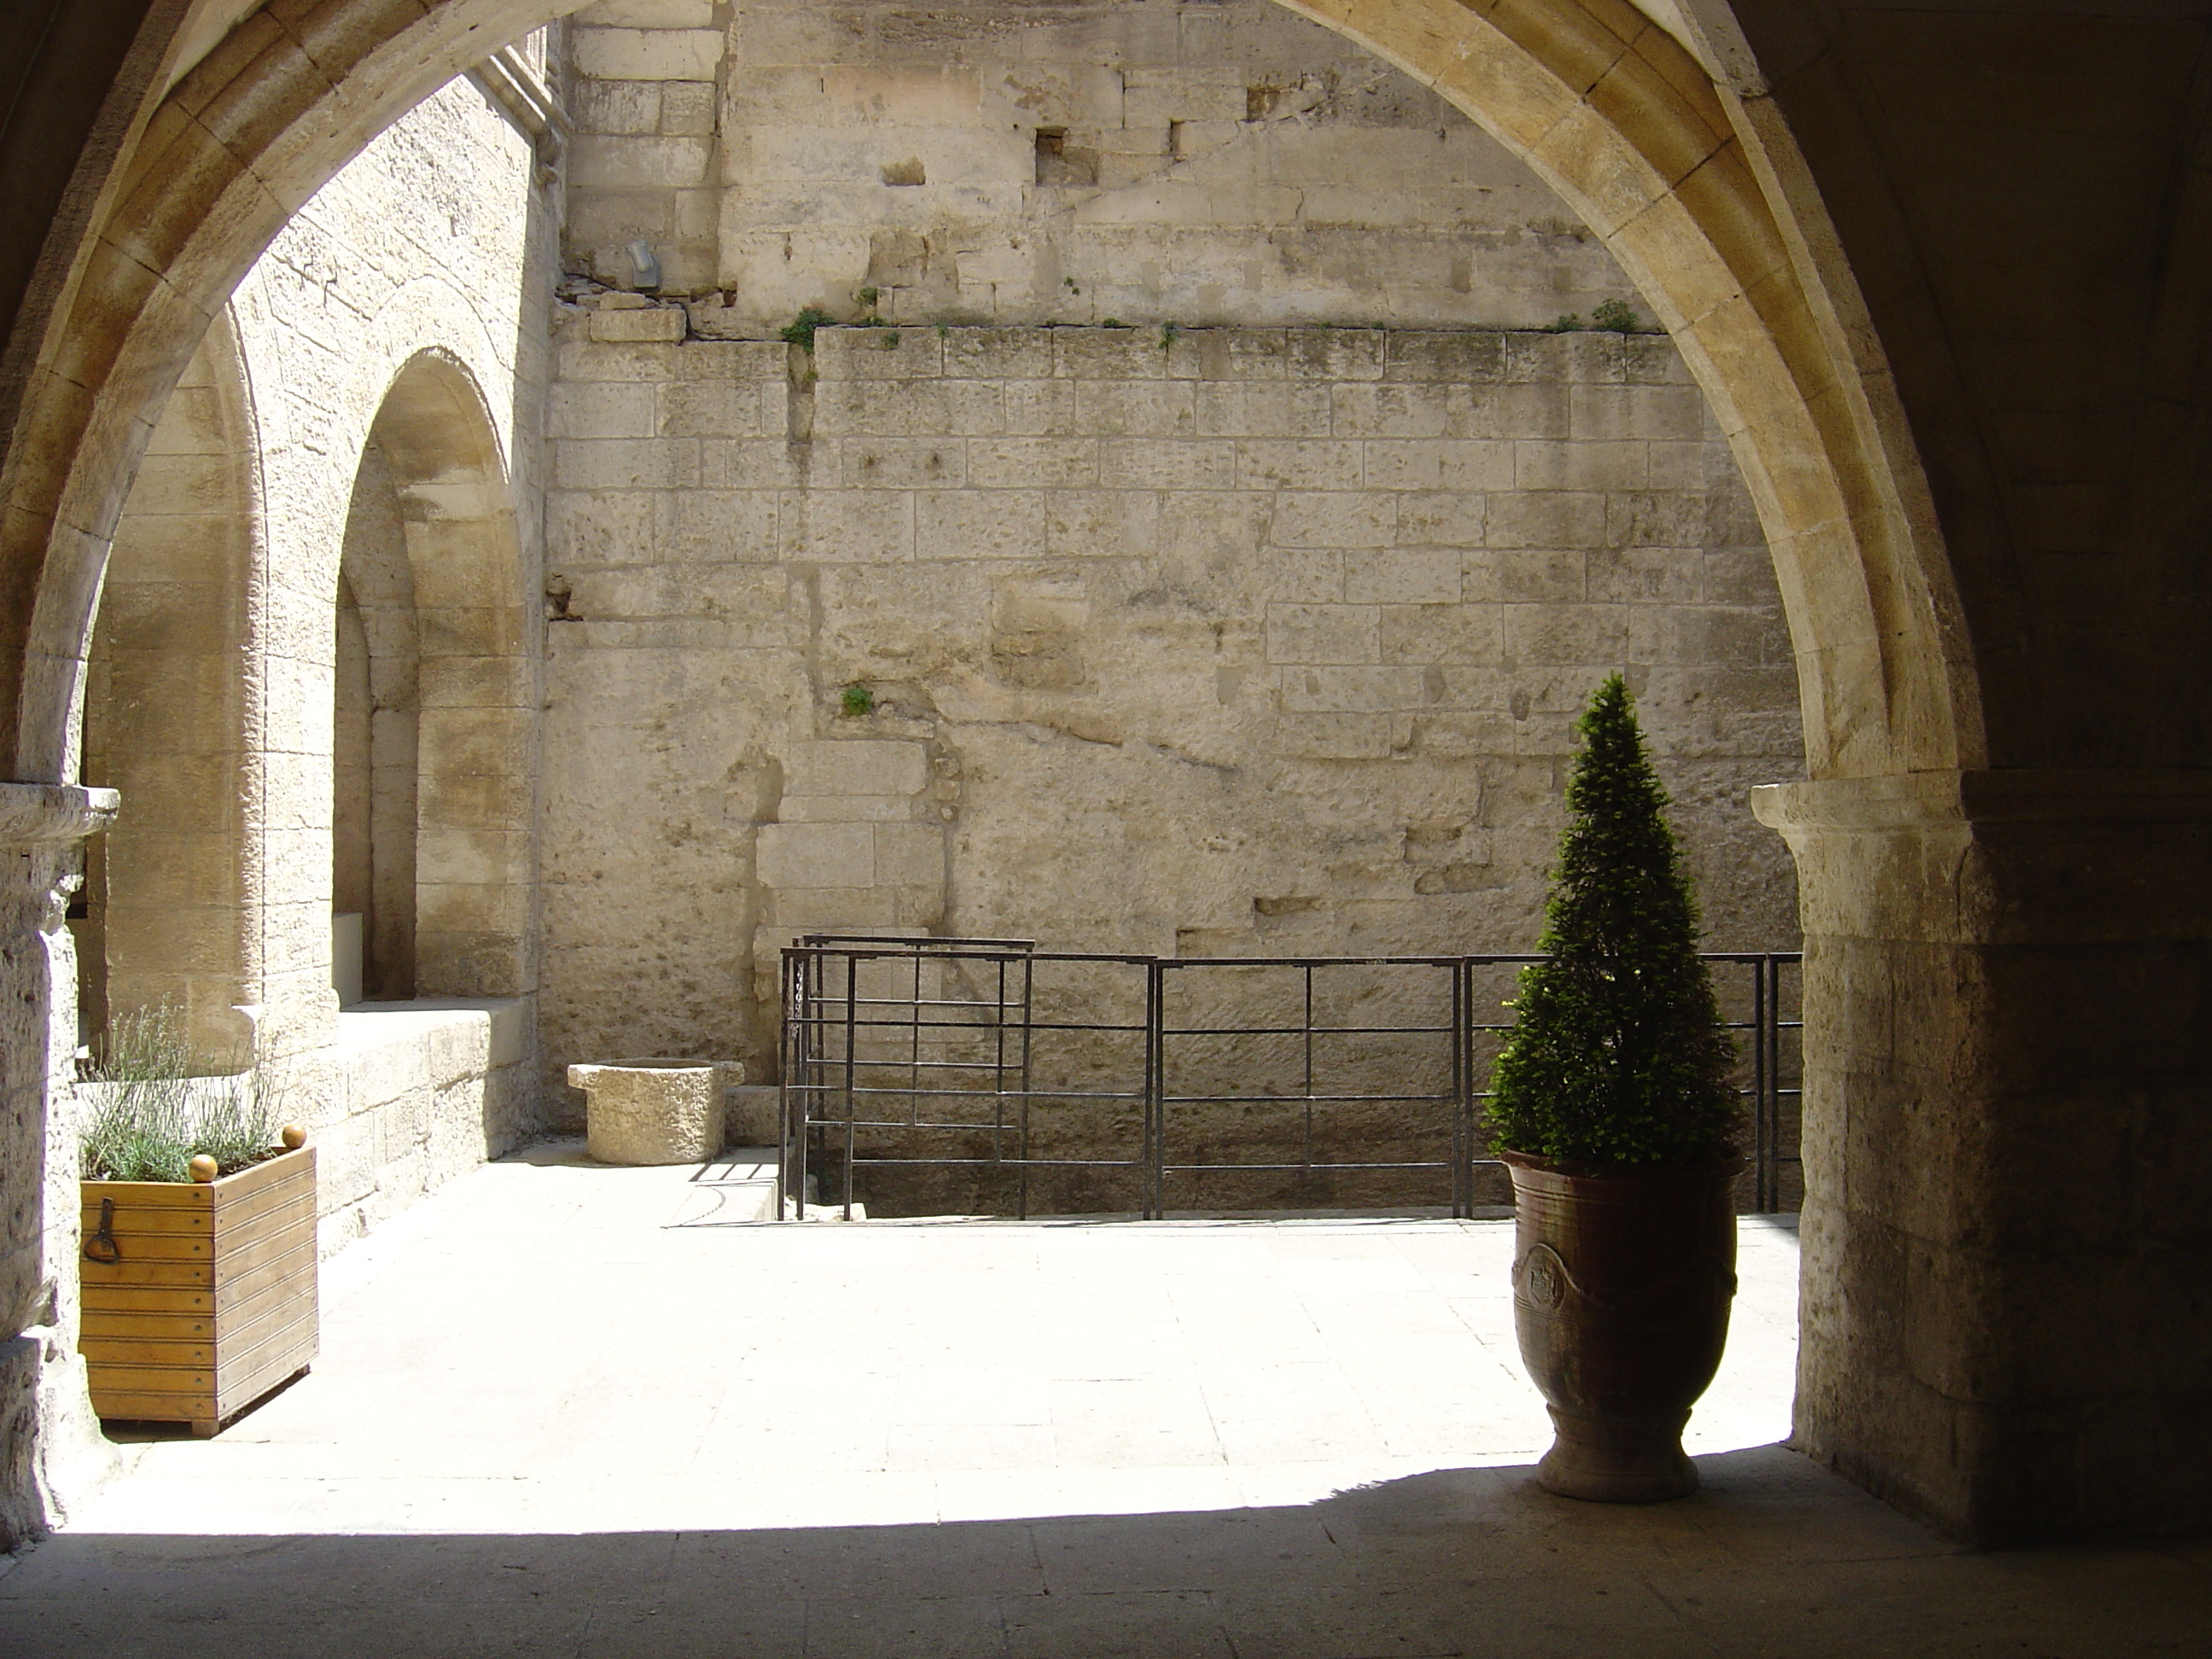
(1775, 964)
(1029, 1019)
(1762, 1050)
(1155, 1153)
(852, 1068)
(1463, 1070)
(789, 1069)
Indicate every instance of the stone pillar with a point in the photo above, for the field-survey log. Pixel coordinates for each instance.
(49, 1439)
(2007, 1296)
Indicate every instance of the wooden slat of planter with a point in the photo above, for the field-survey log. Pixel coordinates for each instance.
(100, 1276)
(137, 1351)
(153, 1408)
(122, 1326)
(153, 1299)
(162, 1246)
(150, 1194)
(145, 1218)
(186, 1380)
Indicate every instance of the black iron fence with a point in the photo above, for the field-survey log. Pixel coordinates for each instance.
(986, 1073)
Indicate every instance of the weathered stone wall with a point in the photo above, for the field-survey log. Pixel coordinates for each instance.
(646, 162)
(1207, 642)
(997, 161)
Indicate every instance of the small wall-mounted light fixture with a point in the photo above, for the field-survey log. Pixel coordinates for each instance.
(647, 267)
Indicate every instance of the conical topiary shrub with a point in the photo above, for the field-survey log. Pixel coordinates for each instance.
(1616, 1058)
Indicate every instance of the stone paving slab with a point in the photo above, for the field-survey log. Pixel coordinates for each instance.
(566, 1410)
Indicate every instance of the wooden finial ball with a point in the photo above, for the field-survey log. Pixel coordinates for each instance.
(203, 1168)
(295, 1137)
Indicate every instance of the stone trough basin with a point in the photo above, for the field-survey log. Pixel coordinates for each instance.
(656, 1111)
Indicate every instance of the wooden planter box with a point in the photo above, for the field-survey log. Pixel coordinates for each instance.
(211, 1301)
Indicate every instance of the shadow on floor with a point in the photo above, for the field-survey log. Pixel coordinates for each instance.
(1774, 1556)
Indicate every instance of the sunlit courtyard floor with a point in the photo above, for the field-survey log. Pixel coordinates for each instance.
(564, 1409)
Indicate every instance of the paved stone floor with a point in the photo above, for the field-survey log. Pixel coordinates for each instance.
(568, 1411)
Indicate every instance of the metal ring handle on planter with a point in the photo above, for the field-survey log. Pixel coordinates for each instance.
(104, 1236)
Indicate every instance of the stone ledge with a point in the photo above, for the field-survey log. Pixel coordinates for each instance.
(369, 1026)
(32, 813)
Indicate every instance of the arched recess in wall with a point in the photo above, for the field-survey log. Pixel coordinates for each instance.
(430, 637)
(164, 902)
(375, 745)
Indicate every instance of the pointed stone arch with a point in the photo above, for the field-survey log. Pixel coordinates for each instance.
(466, 693)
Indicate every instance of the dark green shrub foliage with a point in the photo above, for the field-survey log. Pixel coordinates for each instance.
(1615, 1056)
(1615, 316)
(799, 331)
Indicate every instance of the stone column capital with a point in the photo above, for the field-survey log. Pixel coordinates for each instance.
(1996, 856)
(2022, 795)
(35, 814)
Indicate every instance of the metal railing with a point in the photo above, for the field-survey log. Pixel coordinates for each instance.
(995, 1064)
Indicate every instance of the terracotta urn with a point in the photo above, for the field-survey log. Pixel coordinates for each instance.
(1621, 1288)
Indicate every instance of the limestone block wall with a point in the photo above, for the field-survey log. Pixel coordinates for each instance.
(1202, 642)
(420, 1092)
(1218, 162)
(646, 163)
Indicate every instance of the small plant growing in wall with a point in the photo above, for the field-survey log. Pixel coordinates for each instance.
(1566, 322)
(1166, 337)
(799, 331)
(856, 702)
(1616, 1057)
(1616, 317)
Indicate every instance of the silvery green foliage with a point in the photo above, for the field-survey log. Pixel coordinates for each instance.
(148, 1116)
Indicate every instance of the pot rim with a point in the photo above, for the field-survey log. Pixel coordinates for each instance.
(656, 1063)
(1627, 1174)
